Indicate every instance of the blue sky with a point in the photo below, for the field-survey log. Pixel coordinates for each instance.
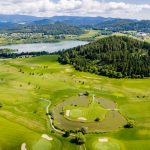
(138, 9)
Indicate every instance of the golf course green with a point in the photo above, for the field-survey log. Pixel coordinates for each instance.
(32, 90)
(89, 113)
(82, 112)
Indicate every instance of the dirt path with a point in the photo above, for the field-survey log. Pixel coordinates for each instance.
(53, 127)
(50, 118)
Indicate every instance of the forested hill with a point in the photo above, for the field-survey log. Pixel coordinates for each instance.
(114, 56)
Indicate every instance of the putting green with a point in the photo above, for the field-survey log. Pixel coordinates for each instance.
(85, 114)
(97, 145)
(105, 143)
(42, 144)
(81, 111)
(106, 146)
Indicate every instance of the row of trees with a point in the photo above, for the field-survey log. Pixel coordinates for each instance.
(26, 54)
(114, 56)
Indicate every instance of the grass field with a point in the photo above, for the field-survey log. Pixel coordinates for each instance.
(26, 86)
(89, 34)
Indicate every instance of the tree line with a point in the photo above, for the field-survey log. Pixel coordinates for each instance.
(25, 54)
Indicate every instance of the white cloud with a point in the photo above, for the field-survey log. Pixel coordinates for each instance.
(75, 7)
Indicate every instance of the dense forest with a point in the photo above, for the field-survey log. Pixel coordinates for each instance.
(48, 29)
(114, 56)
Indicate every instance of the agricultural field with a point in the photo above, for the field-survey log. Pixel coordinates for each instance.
(89, 34)
(32, 88)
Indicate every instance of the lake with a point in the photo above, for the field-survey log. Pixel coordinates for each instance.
(49, 47)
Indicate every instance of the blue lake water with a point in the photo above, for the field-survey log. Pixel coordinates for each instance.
(49, 47)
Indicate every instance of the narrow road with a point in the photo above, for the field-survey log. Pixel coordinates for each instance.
(51, 120)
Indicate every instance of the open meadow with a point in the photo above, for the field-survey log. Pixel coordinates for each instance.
(29, 87)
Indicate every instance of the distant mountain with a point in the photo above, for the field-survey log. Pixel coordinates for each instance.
(80, 21)
(19, 18)
(8, 24)
(111, 24)
(123, 25)
(74, 20)
(41, 22)
(97, 23)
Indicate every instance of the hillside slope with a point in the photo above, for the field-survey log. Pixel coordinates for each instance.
(112, 56)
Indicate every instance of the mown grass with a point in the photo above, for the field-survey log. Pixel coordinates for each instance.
(90, 113)
(22, 115)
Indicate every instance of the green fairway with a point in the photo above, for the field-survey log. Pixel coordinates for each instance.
(42, 144)
(14, 135)
(104, 143)
(29, 85)
(107, 146)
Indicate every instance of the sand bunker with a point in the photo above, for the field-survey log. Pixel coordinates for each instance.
(45, 136)
(82, 118)
(68, 70)
(103, 139)
(115, 109)
(23, 146)
(67, 113)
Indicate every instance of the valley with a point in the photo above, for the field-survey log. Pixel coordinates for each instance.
(71, 79)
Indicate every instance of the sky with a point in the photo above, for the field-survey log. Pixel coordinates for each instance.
(135, 9)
